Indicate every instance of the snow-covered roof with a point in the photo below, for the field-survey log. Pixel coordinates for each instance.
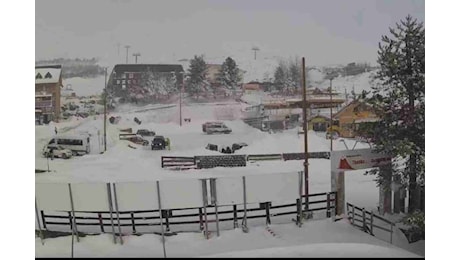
(43, 95)
(363, 120)
(49, 74)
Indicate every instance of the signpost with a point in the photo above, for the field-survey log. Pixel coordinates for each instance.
(348, 160)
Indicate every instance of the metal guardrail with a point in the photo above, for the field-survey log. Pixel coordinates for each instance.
(175, 161)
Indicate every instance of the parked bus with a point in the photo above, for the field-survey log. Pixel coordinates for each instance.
(77, 144)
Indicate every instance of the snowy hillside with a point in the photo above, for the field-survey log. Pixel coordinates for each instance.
(84, 86)
(358, 82)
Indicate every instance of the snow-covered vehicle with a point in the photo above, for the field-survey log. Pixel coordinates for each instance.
(57, 151)
(225, 148)
(145, 132)
(205, 125)
(219, 128)
(158, 143)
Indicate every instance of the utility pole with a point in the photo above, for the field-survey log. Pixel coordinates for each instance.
(180, 102)
(127, 47)
(305, 130)
(136, 55)
(255, 49)
(105, 110)
(330, 94)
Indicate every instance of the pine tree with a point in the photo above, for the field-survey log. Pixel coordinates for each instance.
(399, 99)
(196, 82)
(280, 77)
(229, 76)
(294, 79)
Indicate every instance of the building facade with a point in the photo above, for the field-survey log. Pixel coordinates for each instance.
(129, 80)
(48, 84)
(350, 117)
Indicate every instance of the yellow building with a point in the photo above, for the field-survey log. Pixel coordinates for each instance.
(319, 123)
(346, 121)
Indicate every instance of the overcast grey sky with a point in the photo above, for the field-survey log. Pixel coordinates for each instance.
(322, 31)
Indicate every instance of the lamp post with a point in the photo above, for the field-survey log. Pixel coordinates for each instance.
(305, 130)
(180, 98)
(105, 110)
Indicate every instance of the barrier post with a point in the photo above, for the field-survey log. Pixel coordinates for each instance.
(166, 216)
(391, 233)
(244, 223)
(353, 214)
(267, 213)
(43, 219)
(74, 223)
(109, 194)
(214, 201)
(299, 202)
(205, 204)
(101, 224)
(372, 222)
(70, 220)
(133, 224)
(364, 219)
(328, 205)
(117, 212)
(161, 219)
(200, 214)
(235, 217)
(39, 225)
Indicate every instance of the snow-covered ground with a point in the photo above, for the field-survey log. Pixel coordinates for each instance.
(121, 163)
(320, 238)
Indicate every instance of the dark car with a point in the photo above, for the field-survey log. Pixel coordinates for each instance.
(145, 132)
(158, 143)
(237, 146)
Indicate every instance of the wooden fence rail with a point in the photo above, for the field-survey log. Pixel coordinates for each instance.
(171, 217)
(365, 220)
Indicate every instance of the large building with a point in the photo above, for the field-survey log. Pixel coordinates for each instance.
(128, 80)
(48, 84)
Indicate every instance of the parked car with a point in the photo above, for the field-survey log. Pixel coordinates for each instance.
(218, 128)
(237, 146)
(57, 151)
(205, 125)
(138, 140)
(145, 132)
(158, 143)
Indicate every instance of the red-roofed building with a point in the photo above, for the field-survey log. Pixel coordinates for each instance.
(48, 84)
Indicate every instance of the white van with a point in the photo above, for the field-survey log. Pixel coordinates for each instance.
(77, 144)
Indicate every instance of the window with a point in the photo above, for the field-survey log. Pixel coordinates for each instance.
(123, 76)
(131, 75)
(118, 81)
(129, 81)
(38, 76)
(70, 142)
(48, 75)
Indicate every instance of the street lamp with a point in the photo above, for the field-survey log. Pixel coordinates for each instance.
(105, 109)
